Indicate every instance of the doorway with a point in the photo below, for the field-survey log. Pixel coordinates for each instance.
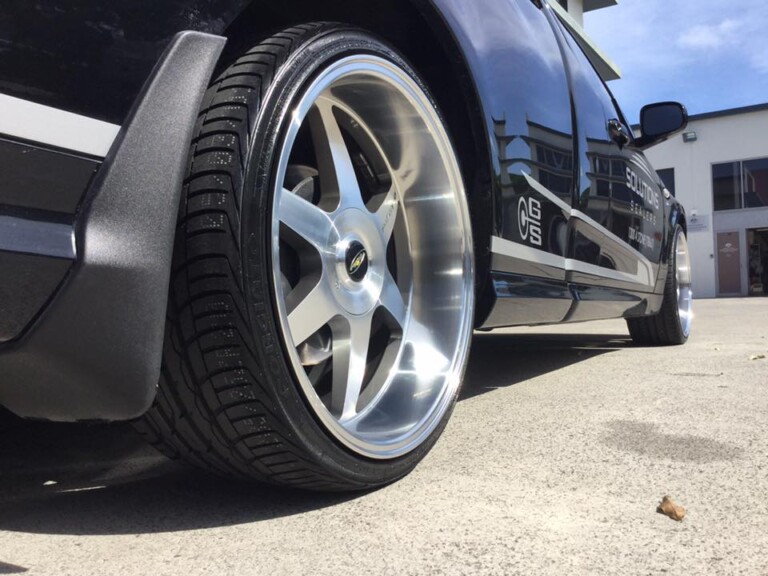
(728, 264)
(757, 242)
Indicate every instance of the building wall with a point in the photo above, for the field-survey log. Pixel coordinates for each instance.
(576, 9)
(721, 139)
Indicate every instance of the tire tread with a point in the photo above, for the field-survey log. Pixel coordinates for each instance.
(213, 408)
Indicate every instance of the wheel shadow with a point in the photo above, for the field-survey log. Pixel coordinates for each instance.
(503, 360)
(102, 479)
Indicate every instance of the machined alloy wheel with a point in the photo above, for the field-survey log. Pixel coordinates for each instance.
(322, 313)
(375, 315)
(683, 282)
(672, 324)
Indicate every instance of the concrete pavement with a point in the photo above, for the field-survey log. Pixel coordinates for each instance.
(564, 442)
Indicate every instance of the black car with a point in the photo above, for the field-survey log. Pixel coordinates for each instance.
(267, 230)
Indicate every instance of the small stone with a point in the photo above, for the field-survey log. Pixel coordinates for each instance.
(757, 357)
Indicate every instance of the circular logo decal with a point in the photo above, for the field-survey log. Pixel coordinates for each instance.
(357, 261)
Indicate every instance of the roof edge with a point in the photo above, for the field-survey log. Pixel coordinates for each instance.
(607, 69)
(729, 112)
(722, 113)
(590, 5)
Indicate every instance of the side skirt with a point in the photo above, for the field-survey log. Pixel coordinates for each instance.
(527, 301)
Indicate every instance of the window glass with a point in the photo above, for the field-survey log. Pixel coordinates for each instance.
(726, 186)
(563, 3)
(755, 183)
(667, 176)
(738, 185)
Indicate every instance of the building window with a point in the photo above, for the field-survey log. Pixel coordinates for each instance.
(667, 176)
(563, 3)
(738, 185)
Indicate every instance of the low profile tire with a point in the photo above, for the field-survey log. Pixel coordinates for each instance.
(321, 304)
(672, 324)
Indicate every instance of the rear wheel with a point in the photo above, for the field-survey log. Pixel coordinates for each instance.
(672, 324)
(322, 299)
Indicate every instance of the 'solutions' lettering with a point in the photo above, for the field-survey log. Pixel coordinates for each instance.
(640, 188)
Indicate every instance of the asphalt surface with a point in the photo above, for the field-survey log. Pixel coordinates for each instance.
(564, 442)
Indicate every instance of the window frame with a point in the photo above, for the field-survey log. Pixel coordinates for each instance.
(673, 189)
(740, 162)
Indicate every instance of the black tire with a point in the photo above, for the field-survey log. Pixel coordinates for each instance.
(666, 327)
(227, 398)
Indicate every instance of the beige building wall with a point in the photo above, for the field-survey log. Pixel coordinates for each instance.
(728, 137)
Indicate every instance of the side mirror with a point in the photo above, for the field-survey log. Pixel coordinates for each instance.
(659, 121)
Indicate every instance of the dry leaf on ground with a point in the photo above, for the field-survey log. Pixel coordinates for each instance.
(669, 508)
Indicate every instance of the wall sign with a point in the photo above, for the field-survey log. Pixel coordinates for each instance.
(698, 223)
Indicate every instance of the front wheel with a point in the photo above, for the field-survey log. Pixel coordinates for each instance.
(672, 324)
(322, 301)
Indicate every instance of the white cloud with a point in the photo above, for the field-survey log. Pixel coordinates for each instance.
(717, 36)
(705, 53)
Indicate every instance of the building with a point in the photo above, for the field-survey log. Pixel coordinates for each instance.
(718, 168)
(571, 12)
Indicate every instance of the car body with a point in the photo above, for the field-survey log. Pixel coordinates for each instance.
(97, 106)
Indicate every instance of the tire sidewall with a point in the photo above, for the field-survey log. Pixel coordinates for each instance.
(680, 337)
(325, 46)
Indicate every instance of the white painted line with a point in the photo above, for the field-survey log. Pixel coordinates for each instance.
(46, 125)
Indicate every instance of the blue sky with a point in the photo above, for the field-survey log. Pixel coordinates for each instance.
(708, 54)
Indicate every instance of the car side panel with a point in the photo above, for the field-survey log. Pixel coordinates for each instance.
(618, 217)
(517, 67)
(92, 57)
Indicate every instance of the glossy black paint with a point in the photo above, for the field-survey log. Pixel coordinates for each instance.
(91, 57)
(40, 190)
(95, 350)
(27, 283)
(40, 178)
(659, 120)
(561, 127)
(594, 303)
(528, 300)
(549, 161)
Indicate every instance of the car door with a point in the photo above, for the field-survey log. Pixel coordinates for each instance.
(616, 221)
(516, 62)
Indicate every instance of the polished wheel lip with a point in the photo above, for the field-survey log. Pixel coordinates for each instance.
(683, 282)
(404, 436)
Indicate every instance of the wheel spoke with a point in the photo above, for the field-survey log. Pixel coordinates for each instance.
(351, 339)
(386, 215)
(338, 182)
(309, 310)
(305, 219)
(392, 299)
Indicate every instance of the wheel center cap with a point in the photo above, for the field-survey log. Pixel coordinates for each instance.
(356, 261)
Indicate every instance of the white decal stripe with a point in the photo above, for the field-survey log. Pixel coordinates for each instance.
(591, 269)
(645, 272)
(642, 261)
(46, 125)
(564, 206)
(506, 247)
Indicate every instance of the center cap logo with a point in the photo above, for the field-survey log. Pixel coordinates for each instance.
(357, 261)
